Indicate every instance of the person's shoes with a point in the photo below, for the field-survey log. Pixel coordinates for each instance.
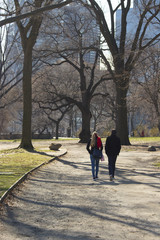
(97, 177)
(111, 178)
(94, 178)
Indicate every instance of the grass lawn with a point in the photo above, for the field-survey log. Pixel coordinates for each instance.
(146, 140)
(16, 162)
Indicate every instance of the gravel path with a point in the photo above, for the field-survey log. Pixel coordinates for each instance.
(60, 201)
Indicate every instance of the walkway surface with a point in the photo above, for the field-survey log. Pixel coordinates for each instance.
(60, 201)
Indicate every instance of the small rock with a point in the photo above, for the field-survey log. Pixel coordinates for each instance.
(54, 146)
(151, 148)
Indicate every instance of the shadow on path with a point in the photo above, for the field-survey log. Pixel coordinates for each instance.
(62, 202)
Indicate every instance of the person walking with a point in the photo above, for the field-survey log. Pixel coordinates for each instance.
(112, 149)
(94, 144)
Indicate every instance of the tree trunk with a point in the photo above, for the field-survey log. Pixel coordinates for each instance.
(121, 114)
(27, 101)
(85, 132)
(158, 122)
(57, 130)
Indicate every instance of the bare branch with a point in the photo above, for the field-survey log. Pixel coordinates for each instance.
(35, 12)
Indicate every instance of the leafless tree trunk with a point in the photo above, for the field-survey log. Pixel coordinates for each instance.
(29, 32)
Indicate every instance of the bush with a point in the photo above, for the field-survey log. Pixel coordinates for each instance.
(154, 132)
(140, 129)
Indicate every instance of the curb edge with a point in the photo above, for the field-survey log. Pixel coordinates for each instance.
(20, 180)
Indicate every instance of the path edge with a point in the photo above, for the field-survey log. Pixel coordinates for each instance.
(23, 178)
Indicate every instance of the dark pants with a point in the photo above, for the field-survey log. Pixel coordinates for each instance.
(111, 164)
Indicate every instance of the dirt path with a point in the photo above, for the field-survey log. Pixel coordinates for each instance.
(60, 201)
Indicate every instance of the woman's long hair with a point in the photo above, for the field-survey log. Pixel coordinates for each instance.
(93, 139)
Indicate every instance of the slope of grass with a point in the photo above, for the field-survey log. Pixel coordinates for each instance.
(15, 163)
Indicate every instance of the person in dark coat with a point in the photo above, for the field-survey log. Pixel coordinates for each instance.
(112, 149)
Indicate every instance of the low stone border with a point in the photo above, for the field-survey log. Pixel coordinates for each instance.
(4, 196)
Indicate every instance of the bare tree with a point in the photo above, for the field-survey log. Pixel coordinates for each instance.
(103, 108)
(47, 106)
(78, 42)
(60, 115)
(10, 70)
(124, 51)
(20, 16)
(10, 76)
(29, 32)
(149, 79)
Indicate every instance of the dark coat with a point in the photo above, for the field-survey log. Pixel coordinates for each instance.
(113, 145)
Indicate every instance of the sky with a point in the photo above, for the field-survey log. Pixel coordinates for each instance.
(103, 3)
(104, 6)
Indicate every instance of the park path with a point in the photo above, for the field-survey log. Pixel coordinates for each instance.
(60, 201)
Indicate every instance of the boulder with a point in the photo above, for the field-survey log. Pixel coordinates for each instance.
(151, 148)
(54, 146)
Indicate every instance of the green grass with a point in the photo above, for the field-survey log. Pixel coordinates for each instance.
(16, 162)
(157, 164)
(140, 140)
(144, 139)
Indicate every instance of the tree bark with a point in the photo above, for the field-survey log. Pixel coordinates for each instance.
(121, 115)
(158, 122)
(85, 132)
(27, 101)
(57, 129)
(29, 33)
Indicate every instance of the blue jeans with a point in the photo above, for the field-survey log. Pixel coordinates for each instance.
(95, 166)
(111, 164)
